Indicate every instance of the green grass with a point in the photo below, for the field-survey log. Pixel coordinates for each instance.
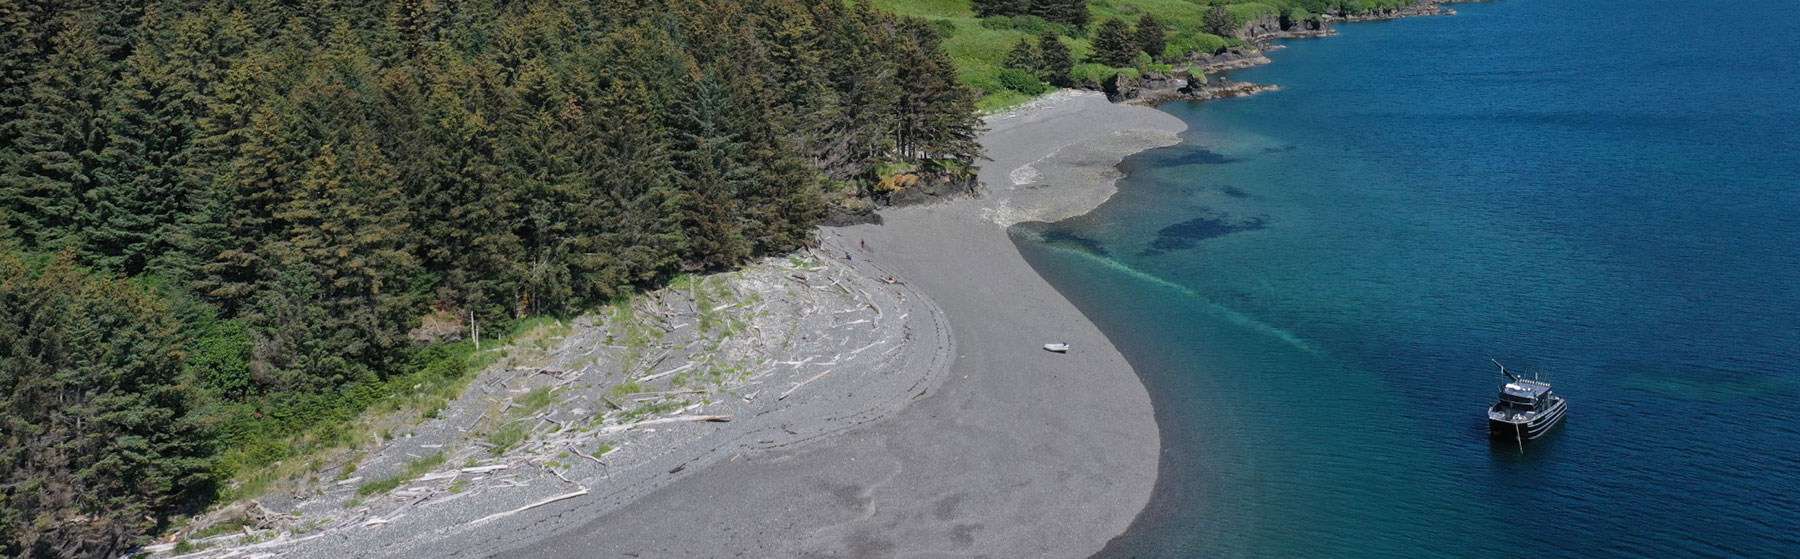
(979, 50)
(231, 525)
(271, 444)
(626, 388)
(508, 435)
(928, 8)
(414, 469)
(651, 409)
(534, 401)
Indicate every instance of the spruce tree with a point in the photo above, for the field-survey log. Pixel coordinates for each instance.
(1024, 56)
(50, 167)
(343, 223)
(243, 203)
(101, 443)
(1057, 60)
(1071, 12)
(1151, 37)
(715, 169)
(22, 45)
(144, 187)
(1114, 44)
(986, 8)
(936, 113)
(1219, 21)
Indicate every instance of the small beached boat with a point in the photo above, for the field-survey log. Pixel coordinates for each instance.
(1527, 409)
(1057, 347)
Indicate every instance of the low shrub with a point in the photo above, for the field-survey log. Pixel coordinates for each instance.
(1022, 82)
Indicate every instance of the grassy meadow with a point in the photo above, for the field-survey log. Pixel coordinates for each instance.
(979, 45)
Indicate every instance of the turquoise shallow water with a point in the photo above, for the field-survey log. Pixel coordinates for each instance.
(1606, 191)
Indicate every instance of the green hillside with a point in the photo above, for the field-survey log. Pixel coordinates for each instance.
(979, 45)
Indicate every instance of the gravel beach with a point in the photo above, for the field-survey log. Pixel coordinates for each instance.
(1017, 453)
(896, 403)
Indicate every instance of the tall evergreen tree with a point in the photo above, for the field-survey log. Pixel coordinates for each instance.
(345, 224)
(986, 8)
(50, 167)
(242, 206)
(1024, 56)
(1056, 59)
(1114, 44)
(1219, 21)
(1151, 37)
(715, 171)
(1071, 12)
(23, 42)
(99, 445)
(144, 186)
(937, 119)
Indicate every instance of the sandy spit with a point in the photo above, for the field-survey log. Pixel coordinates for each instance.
(1017, 452)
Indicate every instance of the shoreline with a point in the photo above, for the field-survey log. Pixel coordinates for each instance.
(1007, 450)
(1016, 452)
(997, 448)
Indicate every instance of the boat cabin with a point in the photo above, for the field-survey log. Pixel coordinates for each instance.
(1524, 395)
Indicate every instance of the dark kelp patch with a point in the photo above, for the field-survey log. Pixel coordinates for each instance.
(1188, 234)
(1190, 156)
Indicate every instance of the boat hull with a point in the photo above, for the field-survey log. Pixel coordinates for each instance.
(1536, 427)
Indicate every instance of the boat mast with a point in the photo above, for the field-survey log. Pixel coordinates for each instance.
(1503, 370)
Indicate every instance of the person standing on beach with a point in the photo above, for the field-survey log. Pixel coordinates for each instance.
(864, 243)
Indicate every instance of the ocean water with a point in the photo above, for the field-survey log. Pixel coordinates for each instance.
(1606, 192)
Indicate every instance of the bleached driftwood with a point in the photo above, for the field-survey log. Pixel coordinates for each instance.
(865, 348)
(690, 365)
(790, 391)
(484, 469)
(499, 515)
(641, 396)
(648, 422)
(377, 521)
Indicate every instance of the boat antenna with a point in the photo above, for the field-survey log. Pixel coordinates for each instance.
(1503, 370)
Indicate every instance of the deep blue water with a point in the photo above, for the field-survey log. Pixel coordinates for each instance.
(1311, 285)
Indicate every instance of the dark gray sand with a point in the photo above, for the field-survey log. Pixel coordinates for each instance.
(925, 419)
(1018, 453)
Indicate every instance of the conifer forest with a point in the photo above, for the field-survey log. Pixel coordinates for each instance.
(227, 225)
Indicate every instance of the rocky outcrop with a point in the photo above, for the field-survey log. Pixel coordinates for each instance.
(935, 187)
(1273, 26)
(1219, 88)
(1233, 58)
(1120, 88)
(844, 215)
(1432, 8)
(907, 188)
(1154, 89)
(1392, 13)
